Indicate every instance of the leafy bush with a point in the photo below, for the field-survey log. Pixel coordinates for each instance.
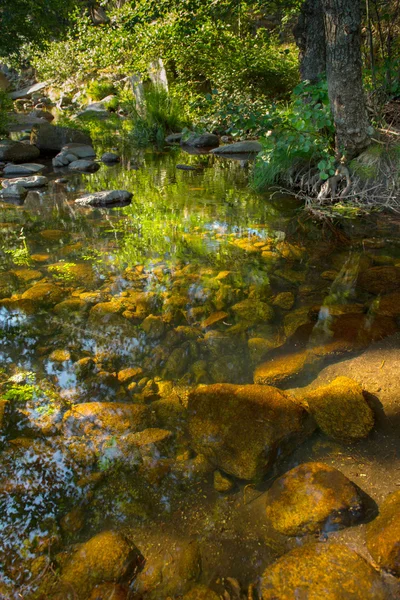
(5, 106)
(97, 90)
(302, 132)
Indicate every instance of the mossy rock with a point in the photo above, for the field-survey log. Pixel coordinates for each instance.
(201, 592)
(253, 311)
(282, 368)
(107, 557)
(229, 368)
(322, 572)
(313, 498)
(284, 300)
(154, 327)
(296, 319)
(380, 280)
(340, 410)
(260, 347)
(72, 307)
(44, 294)
(383, 535)
(106, 417)
(387, 305)
(27, 275)
(169, 572)
(109, 591)
(241, 429)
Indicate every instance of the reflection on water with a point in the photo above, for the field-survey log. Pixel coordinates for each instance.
(109, 318)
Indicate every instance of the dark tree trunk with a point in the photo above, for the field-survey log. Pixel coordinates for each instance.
(342, 20)
(310, 39)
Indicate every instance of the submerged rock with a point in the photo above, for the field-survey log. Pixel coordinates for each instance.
(106, 198)
(109, 591)
(84, 166)
(281, 368)
(383, 535)
(311, 498)
(107, 417)
(45, 294)
(246, 147)
(169, 571)
(253, 311)
(241, 429)
(17, 151)
(322, 571)
(201, 592)
(380, 280)
(341, 410)
(106, 557)
(203, 140)
(222, 483)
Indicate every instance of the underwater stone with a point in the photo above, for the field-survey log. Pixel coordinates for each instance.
(340, 410)
(105, 557)
(379, 280)
(46, 294)
(322, 571)
(109, 591)
(284, 300)
(241, 429)
(222, 483)
(383, 535)
(169, 572)
(253, 311)
(201, 592)
(311, 498)
(282, 368)
(106, 417)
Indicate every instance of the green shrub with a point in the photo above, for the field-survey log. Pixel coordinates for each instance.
(97, 90)
(302, 133)
(5, 106)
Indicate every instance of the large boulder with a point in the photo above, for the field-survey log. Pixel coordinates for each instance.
(322, 571)
(203, 140)
(383, 535)
(246, 147)
(17, 151)
(341, 410)
(106, 557)
(241, 429)
(311, 498)
(106, 198)
(52, 138)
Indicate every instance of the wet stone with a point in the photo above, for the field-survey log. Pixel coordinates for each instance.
(383, 535)
(170, 572)
(315, 571)
(380, 280)
(201, 592)
(340, 410)
(222, 483)
(109, 591)
(313, 498)
(241, 429)
(105, 557)
(281, 369)
(84, 166)
(45, 294)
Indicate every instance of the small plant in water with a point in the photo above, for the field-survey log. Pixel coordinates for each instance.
(62, 271)
(20, 255)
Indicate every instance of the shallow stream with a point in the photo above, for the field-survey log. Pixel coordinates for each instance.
(198, 281)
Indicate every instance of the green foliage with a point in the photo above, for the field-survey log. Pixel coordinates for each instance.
(303, 132)
(62, 271)
(30, 22)
(97, 90)
(20, 253)
(5, 106)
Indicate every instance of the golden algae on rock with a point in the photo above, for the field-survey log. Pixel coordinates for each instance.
(106, 557)
(321, 571)
(341, 410)
(313, 497)
(383, 535)
(241, 429)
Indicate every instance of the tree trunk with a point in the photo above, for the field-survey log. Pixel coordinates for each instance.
(310, 39)
(342, 19)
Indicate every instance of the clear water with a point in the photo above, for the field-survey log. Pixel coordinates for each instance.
(167, 274)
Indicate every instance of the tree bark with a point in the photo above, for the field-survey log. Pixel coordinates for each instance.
(342, 20)
(310, 38)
